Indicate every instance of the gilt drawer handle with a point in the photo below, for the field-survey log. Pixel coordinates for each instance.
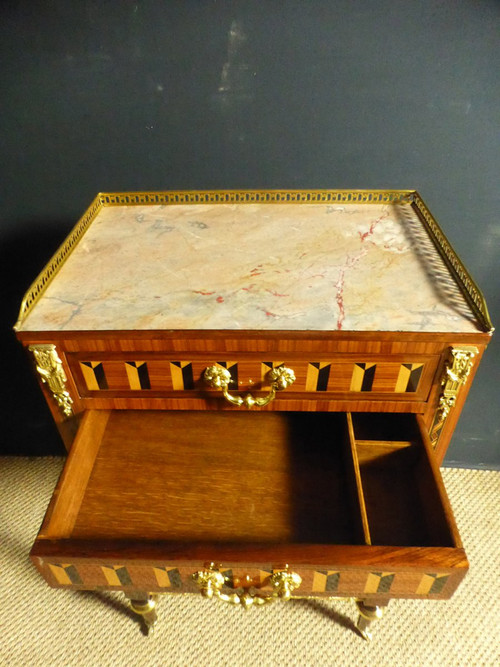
(219, 378)
(211, 581)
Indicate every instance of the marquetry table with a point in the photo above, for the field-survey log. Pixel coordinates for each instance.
(255, 389)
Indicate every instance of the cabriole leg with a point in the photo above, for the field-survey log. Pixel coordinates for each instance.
(144, 604)
(367, 614)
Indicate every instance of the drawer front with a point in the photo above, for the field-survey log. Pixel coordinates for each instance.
(108, 378)
(380, 580)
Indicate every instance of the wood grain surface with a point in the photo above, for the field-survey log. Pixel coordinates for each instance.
(239, 476)
(252, 477)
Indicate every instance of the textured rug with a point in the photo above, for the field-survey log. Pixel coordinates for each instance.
(42, 626)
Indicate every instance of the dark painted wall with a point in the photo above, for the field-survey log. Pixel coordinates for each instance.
(129, 95)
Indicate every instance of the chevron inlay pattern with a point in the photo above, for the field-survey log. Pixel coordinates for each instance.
(137, 374)
(335, 582)
(409, 377)
(93, 373)
(182, 375)
(363, 376)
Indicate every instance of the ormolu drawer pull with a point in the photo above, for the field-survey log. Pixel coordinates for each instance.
(211, 581)
(219, 378)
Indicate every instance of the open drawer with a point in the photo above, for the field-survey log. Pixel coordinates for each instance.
(353, 504)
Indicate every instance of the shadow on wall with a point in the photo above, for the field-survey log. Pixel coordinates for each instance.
(28, 428)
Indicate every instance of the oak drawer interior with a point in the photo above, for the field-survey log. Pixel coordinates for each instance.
(397, 486)
(250, 477)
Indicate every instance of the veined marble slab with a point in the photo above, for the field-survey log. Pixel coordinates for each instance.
(273, 266)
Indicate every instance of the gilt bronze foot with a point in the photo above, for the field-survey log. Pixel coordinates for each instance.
(145, 606)
(367, 614)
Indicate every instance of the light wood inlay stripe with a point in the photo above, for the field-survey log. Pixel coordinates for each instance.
(430, 582)
(409, 374)
(375, 582)
(60, 574)
(162, 577)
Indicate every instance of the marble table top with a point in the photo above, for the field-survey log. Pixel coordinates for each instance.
(310, 267)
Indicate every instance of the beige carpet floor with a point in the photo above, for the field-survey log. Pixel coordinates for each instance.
(42, 626)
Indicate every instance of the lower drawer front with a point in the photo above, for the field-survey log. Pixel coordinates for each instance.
(381, 579)
(353, 504)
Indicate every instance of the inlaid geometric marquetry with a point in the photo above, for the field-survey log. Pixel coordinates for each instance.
(318, 374)
(174, 579)
(379, 582)
(168, 577)
(409, 377)
(432, 584)
(93, 374)
(334, 375)
(363, 375)
(182, 375)
(326, 581)
(65, 574)
(116, 575)
(137, 374)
